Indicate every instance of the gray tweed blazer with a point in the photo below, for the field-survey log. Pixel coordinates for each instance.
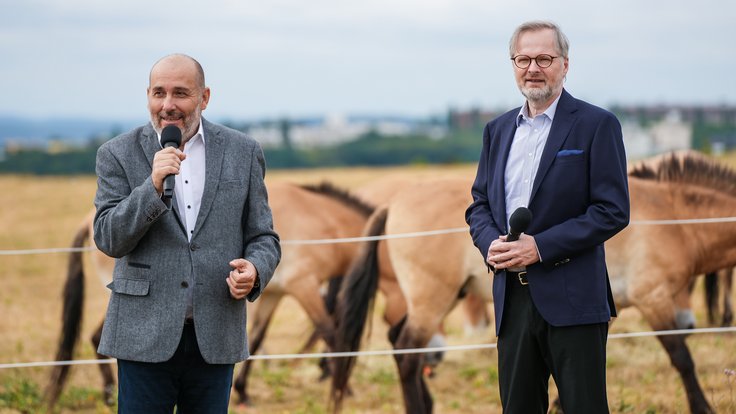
(156, 266)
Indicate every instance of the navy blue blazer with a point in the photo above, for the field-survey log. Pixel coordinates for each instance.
(579, 200)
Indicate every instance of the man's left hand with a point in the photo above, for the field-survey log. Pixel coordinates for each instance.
(242, 278)
(520, 253)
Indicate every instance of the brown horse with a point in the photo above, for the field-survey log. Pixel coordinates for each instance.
(650, 266)
(300, 213)
(309, 213)
(715, 282)
(380, 192)
(432, 272)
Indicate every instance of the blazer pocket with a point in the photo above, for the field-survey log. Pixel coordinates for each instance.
(569, 152)
(139, 265)
(567, 159)
(232, 183)
(133, 287)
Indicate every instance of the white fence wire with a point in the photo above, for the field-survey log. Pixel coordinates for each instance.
(380, 352)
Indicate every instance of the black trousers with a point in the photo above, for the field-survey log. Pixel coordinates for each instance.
(530, 350)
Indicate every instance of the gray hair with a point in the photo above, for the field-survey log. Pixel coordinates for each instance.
(563, 45)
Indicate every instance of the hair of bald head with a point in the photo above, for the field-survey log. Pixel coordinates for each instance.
(181, 56)
(563, 45)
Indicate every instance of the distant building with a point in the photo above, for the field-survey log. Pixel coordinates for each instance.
(710, 114)
(336, 129)
(671, 133)
(474, 118)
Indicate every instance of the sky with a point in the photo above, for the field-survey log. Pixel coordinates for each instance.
(291, 58)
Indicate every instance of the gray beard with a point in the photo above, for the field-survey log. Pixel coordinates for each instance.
(537, 95)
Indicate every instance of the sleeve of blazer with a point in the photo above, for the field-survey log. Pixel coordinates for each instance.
(483, 228)
(262, 246)
(124, 214)
(607, 212)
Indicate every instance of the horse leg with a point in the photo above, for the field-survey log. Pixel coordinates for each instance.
(330, 300)
(684, 316)
(307, 293)
(417, 398)
(323, 363)
(711, 296)
(659, 307)
(682, 360)
(726, 277)
(477, 318)
(108, 390)
(262, 312)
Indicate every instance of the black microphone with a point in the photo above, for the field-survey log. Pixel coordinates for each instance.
(170, 137)
(518, 223)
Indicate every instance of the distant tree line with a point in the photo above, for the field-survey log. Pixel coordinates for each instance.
(371, 149)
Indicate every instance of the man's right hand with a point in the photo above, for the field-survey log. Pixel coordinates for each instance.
(165, 162)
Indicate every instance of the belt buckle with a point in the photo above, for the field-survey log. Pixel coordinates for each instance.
(522, 278)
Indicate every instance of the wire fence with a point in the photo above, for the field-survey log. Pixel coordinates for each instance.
(438, 232)
(382, 352)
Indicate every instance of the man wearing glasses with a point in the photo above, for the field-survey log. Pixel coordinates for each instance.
(563, 159)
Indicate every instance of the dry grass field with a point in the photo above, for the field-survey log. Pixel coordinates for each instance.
(40, 212)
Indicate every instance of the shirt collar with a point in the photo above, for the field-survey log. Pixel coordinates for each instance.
(550, 111)
(200, 132)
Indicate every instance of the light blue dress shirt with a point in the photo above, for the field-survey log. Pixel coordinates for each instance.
(524, 156)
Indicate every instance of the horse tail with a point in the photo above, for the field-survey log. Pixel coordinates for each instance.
(330, 297)
(71, 317)
(353, 306)
(711, 296)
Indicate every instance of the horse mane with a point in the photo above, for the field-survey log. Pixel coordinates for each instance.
(328, 189)
(689, 168)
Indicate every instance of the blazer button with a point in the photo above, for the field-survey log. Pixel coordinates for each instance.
(184, 284)
(193, 247)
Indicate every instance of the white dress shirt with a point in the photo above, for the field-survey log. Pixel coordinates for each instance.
(190, 181)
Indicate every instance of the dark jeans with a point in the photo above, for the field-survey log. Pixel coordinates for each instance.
(185, 381)
(530, 350)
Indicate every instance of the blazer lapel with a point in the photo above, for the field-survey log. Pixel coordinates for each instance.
(561, 125)
(499, 185)
(151, 145)
(214, 155)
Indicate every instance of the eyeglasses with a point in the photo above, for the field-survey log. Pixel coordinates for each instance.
(523, 61)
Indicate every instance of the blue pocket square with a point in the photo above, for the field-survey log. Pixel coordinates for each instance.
(568, 152)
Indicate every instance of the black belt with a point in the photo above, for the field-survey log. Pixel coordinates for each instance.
(189, 321)
(520, 276)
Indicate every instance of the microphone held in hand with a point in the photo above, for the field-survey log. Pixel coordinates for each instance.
(170, 137)
(518, 223)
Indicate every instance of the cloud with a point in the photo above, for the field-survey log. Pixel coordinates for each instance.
(286, 57)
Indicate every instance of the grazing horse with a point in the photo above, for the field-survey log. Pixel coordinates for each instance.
(714, 280)
(300, 213)
(432, 272)
(650, 266)
(374, 193)
(73, 305)
(324, 212)
(380, 192)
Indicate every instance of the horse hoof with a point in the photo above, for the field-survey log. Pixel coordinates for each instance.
(241, 407)
(109, 395)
